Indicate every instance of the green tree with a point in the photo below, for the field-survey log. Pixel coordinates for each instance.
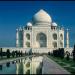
(16, 53)
(13, 54)
(21, 53)
(1, 53)
(67, 55)
(8, 53)
(61, 53)
(74, 53)
(48, 53)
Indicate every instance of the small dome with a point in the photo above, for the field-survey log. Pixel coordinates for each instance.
(17, 29)
(29, 24)
(42, 16)
(54, 24)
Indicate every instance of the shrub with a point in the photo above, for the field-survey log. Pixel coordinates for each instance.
(68, 57)
(1, 53)
(74, 53)
(48, 53)
(59, 53)
(21, 53)
(8, 53)
(55, 53)
(16, 53)
(13, 54)
(8, 64)
(1, 67)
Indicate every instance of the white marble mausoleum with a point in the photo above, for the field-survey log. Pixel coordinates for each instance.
(41, 35)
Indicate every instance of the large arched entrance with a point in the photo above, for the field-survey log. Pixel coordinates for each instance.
(41, 39)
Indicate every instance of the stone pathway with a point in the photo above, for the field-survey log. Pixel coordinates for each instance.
(51, 67)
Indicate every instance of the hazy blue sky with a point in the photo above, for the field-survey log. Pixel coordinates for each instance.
(16, 13)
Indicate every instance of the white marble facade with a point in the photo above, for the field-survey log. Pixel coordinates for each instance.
(41, 33)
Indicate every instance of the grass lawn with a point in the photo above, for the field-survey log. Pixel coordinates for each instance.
(68, 65)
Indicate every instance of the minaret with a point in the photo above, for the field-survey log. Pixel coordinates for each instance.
(20, 28)
(20, 37)
(17, 37)
(23, 36)
(67, 39)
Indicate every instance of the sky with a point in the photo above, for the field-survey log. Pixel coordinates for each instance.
(14, 14)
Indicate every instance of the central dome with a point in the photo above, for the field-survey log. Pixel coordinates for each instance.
(42, 16)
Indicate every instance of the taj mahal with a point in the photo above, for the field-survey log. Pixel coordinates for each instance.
(41, 35)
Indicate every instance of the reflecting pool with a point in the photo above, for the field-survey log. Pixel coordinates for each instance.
(28, 65)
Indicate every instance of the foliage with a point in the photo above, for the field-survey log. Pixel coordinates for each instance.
(8, 53)
(48, 53)
(74, 53)
(67, 55)
(0, 67)
(13, 54)
(1, 53)
(16, 52)
(8, 64)
(59, 53)
(21, 53)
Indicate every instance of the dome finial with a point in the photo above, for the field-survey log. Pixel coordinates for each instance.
(41, 10)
